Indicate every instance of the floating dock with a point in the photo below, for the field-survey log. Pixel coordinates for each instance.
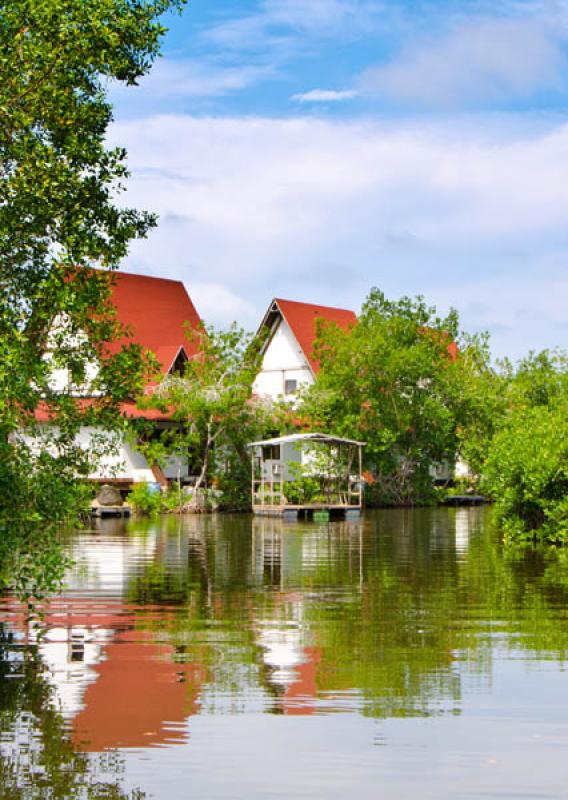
(317, 513)
(465, 500)
(110, 511)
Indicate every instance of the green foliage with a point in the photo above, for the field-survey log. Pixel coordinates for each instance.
(175, 498)
(395, 382)
(526, 470)
(58, 218)
(303, 490)
(145, 500)
(216, 412)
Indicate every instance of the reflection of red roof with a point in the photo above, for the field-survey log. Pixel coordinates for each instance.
(302, 319)
(142, 695)
(156, 312)
(141, 698)
(300, 697)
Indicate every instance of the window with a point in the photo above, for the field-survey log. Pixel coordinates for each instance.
(290, 386)
(271, 452)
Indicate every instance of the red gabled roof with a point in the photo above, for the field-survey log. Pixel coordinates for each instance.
(302, 319)
(156, 312)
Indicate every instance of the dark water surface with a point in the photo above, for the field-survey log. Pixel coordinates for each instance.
(404, 656)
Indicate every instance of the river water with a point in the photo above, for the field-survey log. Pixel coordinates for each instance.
(406, 655)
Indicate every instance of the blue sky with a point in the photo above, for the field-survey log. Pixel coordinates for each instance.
(311, 149)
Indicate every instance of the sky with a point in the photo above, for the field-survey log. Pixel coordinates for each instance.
(313, 149)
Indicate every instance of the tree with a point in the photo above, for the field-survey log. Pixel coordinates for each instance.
(393, 381)
(216, 413)
(58, 218)
(526, 465)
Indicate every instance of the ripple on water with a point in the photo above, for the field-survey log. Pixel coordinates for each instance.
(243, 657)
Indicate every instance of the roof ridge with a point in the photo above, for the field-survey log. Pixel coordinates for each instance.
(146, 277)
(312, 305)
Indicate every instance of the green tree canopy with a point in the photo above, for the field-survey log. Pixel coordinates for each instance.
(526, 465)
(395, 380)
(59, 217)
(216, 413)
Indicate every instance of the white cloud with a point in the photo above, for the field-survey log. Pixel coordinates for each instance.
(217, 304)
(276, 22)
(472, 215)
(176, 79)
(325, 96)
(480, 60)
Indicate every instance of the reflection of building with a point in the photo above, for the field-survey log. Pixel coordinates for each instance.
(141, 696)
(117, 685)
(283, 558)
(463, 529)
(290, 668)
(285, 553)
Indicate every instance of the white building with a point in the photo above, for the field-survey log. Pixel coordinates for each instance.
(288, 353)
(156, 313)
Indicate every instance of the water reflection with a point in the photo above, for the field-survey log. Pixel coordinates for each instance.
(398, 615)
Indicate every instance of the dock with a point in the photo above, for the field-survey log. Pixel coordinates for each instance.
(317, 513)
(313, 476)
(465, 500)
(110, 511)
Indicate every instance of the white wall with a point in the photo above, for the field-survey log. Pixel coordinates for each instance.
(283, 360)
(119, 458)
(290, 454)
(59, 378)
(124, 462)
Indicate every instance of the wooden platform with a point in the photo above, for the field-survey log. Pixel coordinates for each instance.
(110, 511)
(465, 500)
(314, 511)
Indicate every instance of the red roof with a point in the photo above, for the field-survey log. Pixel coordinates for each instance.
(156, 312)
(44, 413)
(302, 318)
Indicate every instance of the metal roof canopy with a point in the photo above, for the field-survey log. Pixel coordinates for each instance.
(307, 437)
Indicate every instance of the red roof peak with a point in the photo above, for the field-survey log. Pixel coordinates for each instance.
(313, 307)
(137, 276)
(302, 318)
(156, 312)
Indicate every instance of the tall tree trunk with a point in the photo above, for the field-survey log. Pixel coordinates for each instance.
(195, 504)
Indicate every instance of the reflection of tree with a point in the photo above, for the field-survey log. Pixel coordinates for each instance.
(398, 606)
(37, 759)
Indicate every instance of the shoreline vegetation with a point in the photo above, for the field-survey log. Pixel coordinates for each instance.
(394, 382)
(409, 382)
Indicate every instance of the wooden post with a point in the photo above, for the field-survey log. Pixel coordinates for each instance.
(261, 476)
(360, 449)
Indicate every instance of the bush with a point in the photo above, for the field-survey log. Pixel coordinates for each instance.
(233, 486)
(303, 490)
(145, 500)
(401, 488)
(171, 501)
(527, 474)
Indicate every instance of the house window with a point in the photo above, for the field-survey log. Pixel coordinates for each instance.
(290, 386)
(271, 452)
